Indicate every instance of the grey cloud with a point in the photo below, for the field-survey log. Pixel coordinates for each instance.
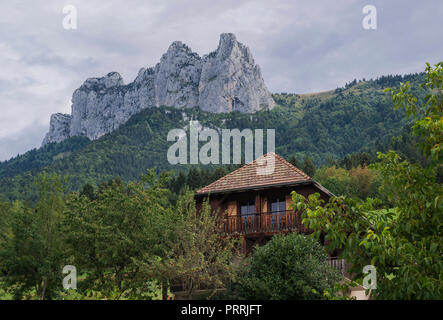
(301, 46)
(26, 140)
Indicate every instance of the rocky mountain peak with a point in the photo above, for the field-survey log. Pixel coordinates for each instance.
(112, 79)
(229, 47)
(178, 46)
(223, 81)
(227, 42)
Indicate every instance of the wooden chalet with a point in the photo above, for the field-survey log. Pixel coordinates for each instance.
(258, 206)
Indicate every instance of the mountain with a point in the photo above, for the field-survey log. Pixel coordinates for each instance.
(329, 125)
(223, 81)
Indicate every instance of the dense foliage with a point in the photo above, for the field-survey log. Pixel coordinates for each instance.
(106, 230)
(358, 182)
(403, 242)
(126, 240)
(36, 159)
(291, 267)
(31, 248)
(197, 254)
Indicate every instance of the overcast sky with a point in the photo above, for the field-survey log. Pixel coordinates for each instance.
(302, 46)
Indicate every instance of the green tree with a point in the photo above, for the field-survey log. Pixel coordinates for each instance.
(194, 178)
(291, 267)
(308, 167)
(179, 182)
(293, 160)
(5, 230)
(404, 242)
(32, 254)
(4, 214)
(357, 182)
(111, 235)
(88, 191)
(218, 173)
(364, 182)
(198, 253)
(337, 180)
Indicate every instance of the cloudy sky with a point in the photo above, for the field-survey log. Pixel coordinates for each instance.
(302, 46)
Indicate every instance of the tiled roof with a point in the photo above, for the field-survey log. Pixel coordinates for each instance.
(247, 177)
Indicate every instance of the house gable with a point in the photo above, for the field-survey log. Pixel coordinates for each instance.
(247, 178)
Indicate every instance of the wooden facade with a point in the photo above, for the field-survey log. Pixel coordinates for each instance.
(256, 208)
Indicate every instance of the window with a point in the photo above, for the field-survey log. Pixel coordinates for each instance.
(247, 210)
(247, 207)
(278, 205)
(277, 219)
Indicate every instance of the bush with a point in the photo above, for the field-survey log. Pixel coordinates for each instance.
(290, 267)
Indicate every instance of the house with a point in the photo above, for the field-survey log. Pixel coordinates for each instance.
(258, 206)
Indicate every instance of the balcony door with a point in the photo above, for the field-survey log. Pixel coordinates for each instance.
(278, 213)
(278, 205)
(247, 212)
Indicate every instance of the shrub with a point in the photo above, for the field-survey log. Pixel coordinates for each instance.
(288, 267)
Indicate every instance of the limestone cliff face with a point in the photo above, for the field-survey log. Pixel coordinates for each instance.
(178, 76)
(97, 106)
(59, 128)
(223, 81)
(231, 81)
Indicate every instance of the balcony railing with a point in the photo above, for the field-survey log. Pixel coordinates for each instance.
(264, 222)
(337, 263)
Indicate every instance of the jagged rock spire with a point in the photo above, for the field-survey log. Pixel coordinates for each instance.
(223, 81)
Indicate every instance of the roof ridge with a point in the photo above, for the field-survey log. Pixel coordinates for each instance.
(229, 174)
(253, 163)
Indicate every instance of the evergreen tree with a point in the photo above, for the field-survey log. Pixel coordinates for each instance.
(194, 178)
(88, 191)
(218, 173)
(293, 160)
(179, 182)
(308, 167)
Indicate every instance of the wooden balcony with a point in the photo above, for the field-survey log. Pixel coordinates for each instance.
(269, 222)
(337, 263)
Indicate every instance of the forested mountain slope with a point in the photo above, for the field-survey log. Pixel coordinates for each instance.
(325, 126)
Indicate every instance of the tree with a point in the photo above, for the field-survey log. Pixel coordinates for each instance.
(363, 182)
(335, 179)
(4, 215)
(293, 160)
(218, 173)
(110, 236)
(88, 191)
(308, 167)
(179, 182)
(5, 230)
(33, 252)
(290, 267)
(198, 253)
(194, 179)
(357, 182)
(405, 242)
